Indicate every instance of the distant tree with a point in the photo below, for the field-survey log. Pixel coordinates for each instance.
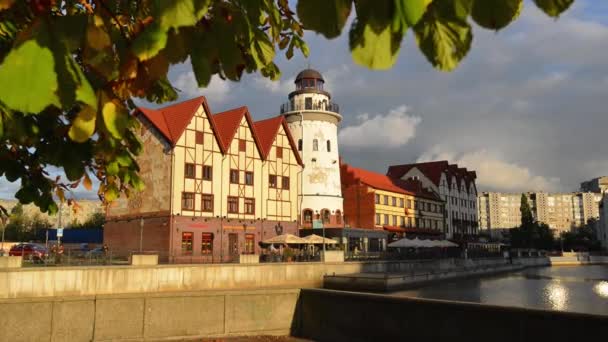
(96, 220)
(22, 227)
(531, 234)
(581, 239)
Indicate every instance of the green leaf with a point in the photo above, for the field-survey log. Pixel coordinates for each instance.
(29, 82)
(124, 159)
(496, 14)
(115, 117)
(323, 16)
(411, 10)
(178, 13)
(112, 168)
(262, 49)
(73, 167)
(83, 125)
(553, 8)
(137, 183)
(443, 35)
(150, 42)
(372, 49)
(111, 193)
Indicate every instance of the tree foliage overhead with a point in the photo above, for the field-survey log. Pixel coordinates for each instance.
(70, 69)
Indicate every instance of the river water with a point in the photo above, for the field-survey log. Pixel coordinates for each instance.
(576, 288)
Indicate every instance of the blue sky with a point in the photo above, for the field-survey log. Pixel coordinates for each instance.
(526, 109)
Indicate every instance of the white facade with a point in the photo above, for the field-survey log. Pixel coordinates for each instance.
(313, 121)
(455, 186)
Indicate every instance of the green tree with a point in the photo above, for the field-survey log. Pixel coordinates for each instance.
(69, 69)
(531, 233)
(96, 220)
(23, 227)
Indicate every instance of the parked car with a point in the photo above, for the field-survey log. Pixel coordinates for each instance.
(94, 253)
(29, 251)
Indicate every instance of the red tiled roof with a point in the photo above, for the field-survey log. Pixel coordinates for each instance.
(375, 180)
(172, 120)
(415, 186)
(267, 131)
(227, 124)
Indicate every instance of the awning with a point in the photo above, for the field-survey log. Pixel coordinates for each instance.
(286, 239)
(316, 239)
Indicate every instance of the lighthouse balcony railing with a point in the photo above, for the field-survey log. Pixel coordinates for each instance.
(319, 105)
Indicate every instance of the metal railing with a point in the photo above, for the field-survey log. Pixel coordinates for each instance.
(74, 257)
(317, 105)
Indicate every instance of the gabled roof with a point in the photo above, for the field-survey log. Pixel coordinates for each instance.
(384, 182)
(432, 170)
(267, 131)
(171, 121)
(374, 179)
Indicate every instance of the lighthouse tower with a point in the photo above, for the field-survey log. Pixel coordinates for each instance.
(313, 120)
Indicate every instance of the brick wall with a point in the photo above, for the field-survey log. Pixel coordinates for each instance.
(359, 209)
(122, 236)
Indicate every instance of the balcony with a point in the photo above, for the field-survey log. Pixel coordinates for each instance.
(318, 105)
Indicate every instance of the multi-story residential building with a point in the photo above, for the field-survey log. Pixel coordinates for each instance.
(598, 185)
(216, 184)
(375, 201)
(602, 226)
(561, 211)
(454, 185)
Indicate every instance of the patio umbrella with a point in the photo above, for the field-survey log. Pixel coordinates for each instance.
(286, 239)
(407, 243)
(425, 243)
(446, 243)
(317, 240)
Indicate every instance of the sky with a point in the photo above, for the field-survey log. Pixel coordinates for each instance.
(527, 108)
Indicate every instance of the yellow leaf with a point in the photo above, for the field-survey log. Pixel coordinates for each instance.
(86, 182)
(115, 117)
(60, 194)
(83, 125)
(97, 37)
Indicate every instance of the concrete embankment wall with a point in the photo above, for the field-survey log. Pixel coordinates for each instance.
(96, 280)
(579, 260)
(326, 315)
(149, 317)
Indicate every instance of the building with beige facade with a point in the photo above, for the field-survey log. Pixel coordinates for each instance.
(561, 211)
(216, 184)
(602, 226)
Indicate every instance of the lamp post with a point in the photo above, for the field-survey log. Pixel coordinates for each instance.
(4, 221)
(141, 234)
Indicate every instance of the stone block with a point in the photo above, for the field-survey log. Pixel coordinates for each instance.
(119, 318)
(334, 256)
(25, 321)
(251, 312)
(144, 259)
(249, 259)
(73, 320)
(10, 261)
(184, 316)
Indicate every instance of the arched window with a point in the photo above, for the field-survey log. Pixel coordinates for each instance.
(328, 146)
(308, 216)
(326, 216)
(299, 144)
(315, 145)
(338, 214)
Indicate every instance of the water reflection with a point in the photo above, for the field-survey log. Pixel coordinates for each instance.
(601, 289)
(579, 289)
(556, 295)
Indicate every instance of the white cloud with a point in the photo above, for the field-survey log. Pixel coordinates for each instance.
(391, 130)
(494, 173)
(217, 90)
(266, 84)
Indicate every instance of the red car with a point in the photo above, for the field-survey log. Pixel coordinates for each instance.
(29, 251)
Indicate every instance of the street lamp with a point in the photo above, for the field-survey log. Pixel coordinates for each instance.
(141, 234)
(4, 220)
